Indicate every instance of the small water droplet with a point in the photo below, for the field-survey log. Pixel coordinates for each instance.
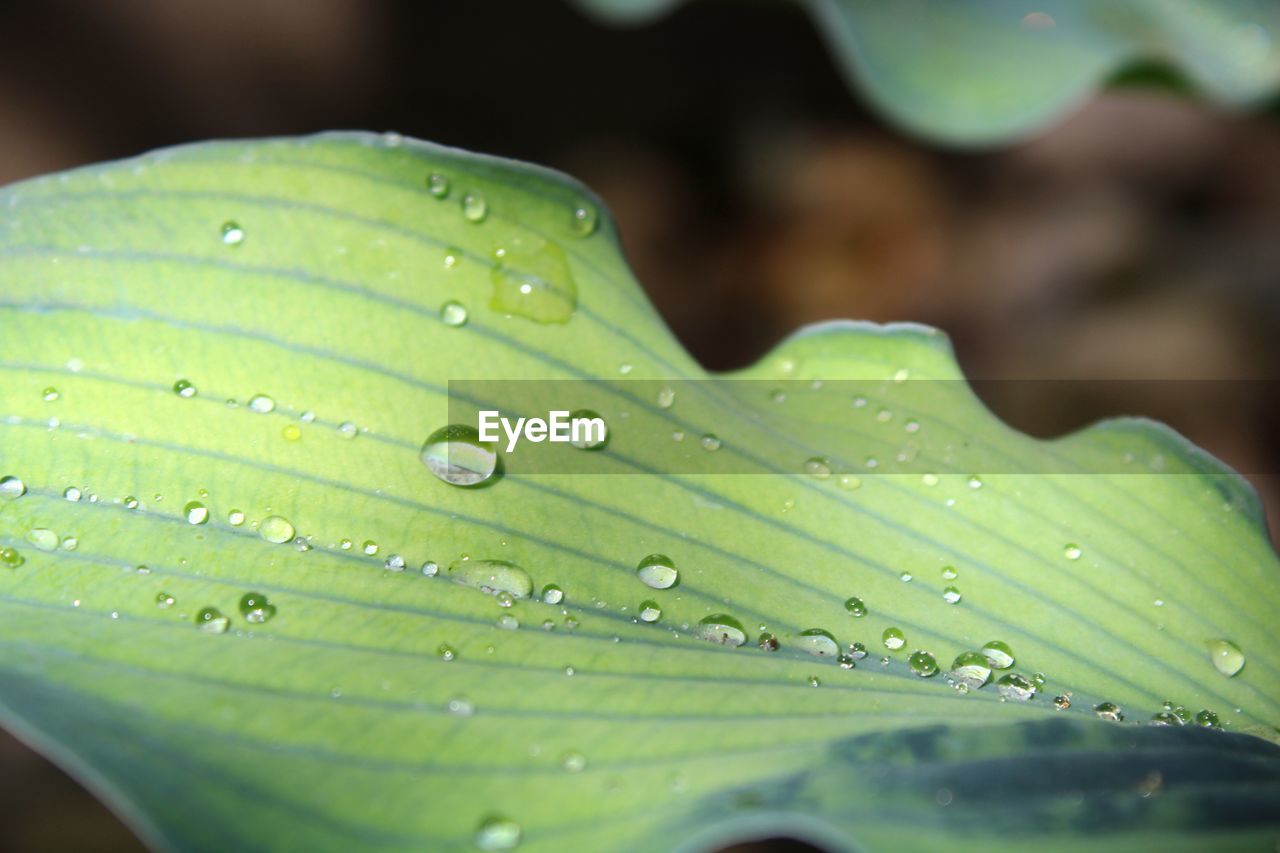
(474, 207)
(723, 629)
(196, 512)
(666, 397)
(923, 664)
(255, 608)
(130, 502)
(235, 518)
(164, 600)
(51, 394)
(849, 482)
(1227, 657)
(552, 594)
(905, 577)
(970, 669)
(456, 455)
(1062, 702)
(232, 234)
(951, 595)
(71, 493)
(11, 488)
(1207, 719)
(855, 606)
(498, 833)
(585, 219)
(817, 641)
(438, 185)
(430, 568)
(975, 482)
(507, 622)
(857, 651)
(814, 681)
(592, 437)
(573, 762)
(460, 707)
(453, 313)
(817, 467)
(394, 563)
(1072, 552)
(650, 611)
(347, 429)
(1109, 711)
(658, 571)
(446, 652)
(709, 442)
(949, 573)
(1016, 688)
(893, 638)
(370, 548)
(212, 621)
(999, 655)
(492, 576)
(11, 558)
(276, 529)
(184, 389)
(262, 404)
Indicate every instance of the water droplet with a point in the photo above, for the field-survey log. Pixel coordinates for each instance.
(196, 512)
(370, 548)
(164, 600)
(1062, 702)
(893, 638)
(666, 397)
(11, 487)
(951, 595)
(504, 599)
(1227, 657)
(50, 394)
(923, 664)
(71, 493)
(975, 482)
(949, 573)
(814, 681)
(255, 608)
(492, 576)
(857, 651)
(430, 568)
(232, 234)
(212, 621)
(585, 219)
(184, 389)
(970, 669)
(456, 455)
(394, 563)
(531, 279)
(11, 558)
(818, 468)
(999, 655)
(438, 185)
(552, 594)
(658, 571)
(855, 606)
(1072, 552)
(446, 652)
(130, 502)
(347, 429)
(507, 622)
(1109, 711)
(262, 404)
(905, 577)
(460, 707)
(291, 432)
(573, 762)
(818, 642)
(474, 207)
(70, 543)
(650, 611)
(235, 518)
(723, 629)
(453, 313)
(1165, 718)
(849, 482)
(1207, 719)
(498, 833)
(1014, 687)
(709, 442)
(590, 438)
(276, 529)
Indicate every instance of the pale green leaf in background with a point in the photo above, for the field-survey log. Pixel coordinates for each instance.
(220, 365)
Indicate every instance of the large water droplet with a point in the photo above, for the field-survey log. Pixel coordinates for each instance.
(492, 576)
(658, 571)
(970, 669)
(818, 642)
(531, 279)
(276, 529)
(893, 638)
(999, 655)
(212, 621)
(43, 539)
(11, 487)
(1227, 657)
(456, 455)
(923, 664)
(255, 608)
(723, 629)
(498, 833)
(1016, 688)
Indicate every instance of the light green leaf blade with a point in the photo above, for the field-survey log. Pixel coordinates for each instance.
(381, 708)
(990, 71)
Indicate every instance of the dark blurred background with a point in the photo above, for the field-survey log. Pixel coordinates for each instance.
(1139, 238)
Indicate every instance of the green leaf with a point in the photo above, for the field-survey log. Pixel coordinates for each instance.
(989, 71)
(213, 349)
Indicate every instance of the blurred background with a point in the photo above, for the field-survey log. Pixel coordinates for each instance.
(1139, 238)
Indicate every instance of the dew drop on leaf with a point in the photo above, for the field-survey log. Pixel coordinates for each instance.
(430, 568)
(50, 394)
(1015, 687)
(255, 608)
(291, 432)
(817, 641)
(658, 571)
(347, 429)
(456, 455)
(184, 389)
(951, 595)
(71, 493)
(1072, 552)
(474, 207)
(1227, 657)
(212, 621)
(1109, 711)
(232, 234)
(970, 669)
(262, 404)
(893, 638)
(531, 279)
(235, 518)
(11, 558)
(453, 313)
(552, 594)
(164, 600)
(857, 651)
(438, 185)
(998, 654)
(650, 611)
(589, 438)
(497, 833)
(446, 652)
(1207, 719)
(369, 547)
(11, 487)
(276, 529)
(709, 442)
(1062, 702)
(492, 576)
(394, 563)
(573, 761)
(723, 629)
(818, 468)
(923, 664)
(949, 573)
(195, 513)
(855, 606)
(585, 219)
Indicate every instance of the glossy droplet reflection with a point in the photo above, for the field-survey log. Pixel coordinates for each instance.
(212, 621)
(855, 607)
(818, 642)
(1227, 657)
(453, 313)
(195, 513)
(497, 833)
(255, 608)
(998, 654)
(276, 529)
(723, 629)
(923, 664)
(893, 638)
(658, 571)
(531, 279)
(1015, 688)
(492, 576)
(456, 455)
(11, 487)
(970, 669)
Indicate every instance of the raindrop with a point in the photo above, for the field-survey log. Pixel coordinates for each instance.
(453, 313)
(184, 389)
(768, 642)
(71, 493)
(11, 487)
(585, 219)
(446, 652)
(818, 468)
(130, 502)
(276, 529)
(235, 518)
(460, 707)
(590, 438)
(970, 669)
(1062, 702)
(975, 482)
(709, 442)
(573, 762)
(1109, 711)
(818, 642)
(262, 404)
(211, 621)
(164, 600)
(1015, 687)
(893, 638)
(949, 573)
(814, 681)
(291, 432)
(723, 629)
(855, 606)
(849, 482)
(531, 279)
(492, 576)
(999, 655)
(650, 611)
(255, 608)
(1227, 657)
(456, 455)
(951, 595)
(232, 234)
(438, 185)
(498, 833)
(666, 397)
(1072, 552)
(347, 429)
(11, 558)
(474, 207)
(905, 577)
(552, 594)
(507, 622)
(196, 512)
(50, 394)
(370, 548)
(430, 568)
(857, 651)
(1207, 719)
(923, 664)
(394, 563)
(658, 571)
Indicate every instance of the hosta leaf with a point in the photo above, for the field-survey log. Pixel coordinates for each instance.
(985, 71)
(220, 365)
